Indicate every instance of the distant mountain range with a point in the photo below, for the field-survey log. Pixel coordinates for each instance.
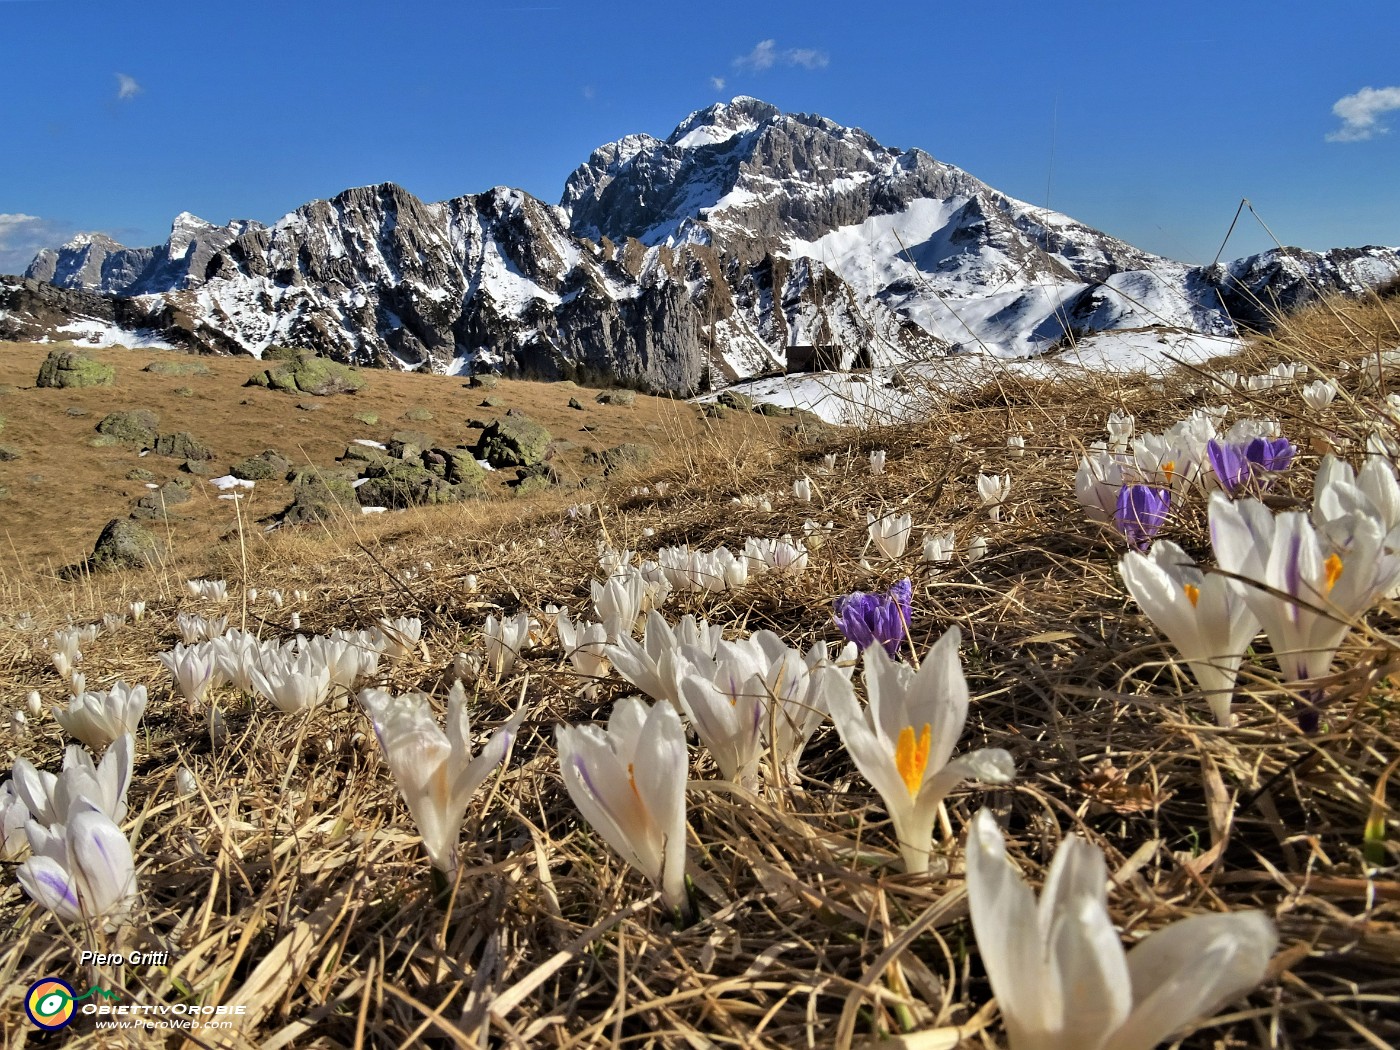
(668, 265)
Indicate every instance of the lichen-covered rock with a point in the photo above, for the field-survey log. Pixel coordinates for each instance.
(265, 466)
(198, 467)
(181, 445)
(418, 414)
(155, 504)
(319, 496)
(135, 427)
(616, 397)
(369, 419)
(462, 467)
(304, 374)
(177, 367)
(484, 381)
(735, 400)
(74, 368)
(9, 453)
(619, 457)
(575, 403)
(123, 544)
(396, 483)
(515, 441)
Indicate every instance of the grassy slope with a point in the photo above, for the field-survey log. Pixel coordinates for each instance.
(294, 882)
(62, 491)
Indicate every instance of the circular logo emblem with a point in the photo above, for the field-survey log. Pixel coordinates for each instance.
(49, 1004)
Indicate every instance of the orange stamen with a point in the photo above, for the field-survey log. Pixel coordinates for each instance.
(1193, 593)
(1333, 565)
(911, 757)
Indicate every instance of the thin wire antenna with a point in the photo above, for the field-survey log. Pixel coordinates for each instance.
(1238, 211)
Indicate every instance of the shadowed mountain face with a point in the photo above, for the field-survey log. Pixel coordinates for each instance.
(669, 264)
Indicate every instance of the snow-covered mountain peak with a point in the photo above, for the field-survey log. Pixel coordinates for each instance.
(721, 122)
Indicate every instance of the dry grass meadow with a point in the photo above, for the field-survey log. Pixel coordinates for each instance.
(293, 881)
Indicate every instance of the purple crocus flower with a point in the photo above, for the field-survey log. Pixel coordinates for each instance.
(1236, 463)
(869, 618)
(1141, 512)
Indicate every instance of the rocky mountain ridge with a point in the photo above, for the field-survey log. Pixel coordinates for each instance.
(675, 264)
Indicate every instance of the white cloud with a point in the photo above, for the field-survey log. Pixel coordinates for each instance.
(766, 55)
(589, 92)
(22, 235)
(127, 87)
(807, 58)
(757, 60)
(1361, 113)
(717, 83)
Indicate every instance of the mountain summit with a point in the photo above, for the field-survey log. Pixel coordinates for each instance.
(672, 263)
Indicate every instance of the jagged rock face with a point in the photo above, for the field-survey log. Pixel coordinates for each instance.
(669, 264)
(1259, 288)
(95, 263)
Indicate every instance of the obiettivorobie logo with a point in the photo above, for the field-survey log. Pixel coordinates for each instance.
(51, 1002)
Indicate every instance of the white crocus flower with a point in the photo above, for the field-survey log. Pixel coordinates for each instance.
(399, 637)
(35, 703)
(14, 815)
(50, 798)
(63, 664)
(19, 723)
(783, 555)
(184, 781)
(814, 533)
(1172, 460)
(889, 532)
(977, 549)
(1204, 616)
(1318, 394)
(938, 548)
(903, 741)
(1097, 482)
(877, 461)
(655, 664)
(829, 463)
(629, 781)
(82, 870)
(192, 668)
(802, 489)
(194, 629)
(729, 724)
(1015, 446)
(618, 601)
(1120, 429)
(111, 621)
(505, 639)
(993, 489)
(137, 610)
(1058, 969)
(293, 684)
(585, 646)
(98, 718)
(1339, 491)
(1313, 584)
(436, 772)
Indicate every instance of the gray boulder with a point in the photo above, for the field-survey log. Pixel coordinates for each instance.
(74, 368)
(515, 441)
(123, 544)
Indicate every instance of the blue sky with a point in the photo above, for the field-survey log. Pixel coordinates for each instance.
(1147, 120)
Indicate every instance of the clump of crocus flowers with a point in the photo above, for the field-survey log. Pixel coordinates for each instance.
(868, 619)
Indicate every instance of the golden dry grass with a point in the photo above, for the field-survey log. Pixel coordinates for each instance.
(62, 490)
(294, 881)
